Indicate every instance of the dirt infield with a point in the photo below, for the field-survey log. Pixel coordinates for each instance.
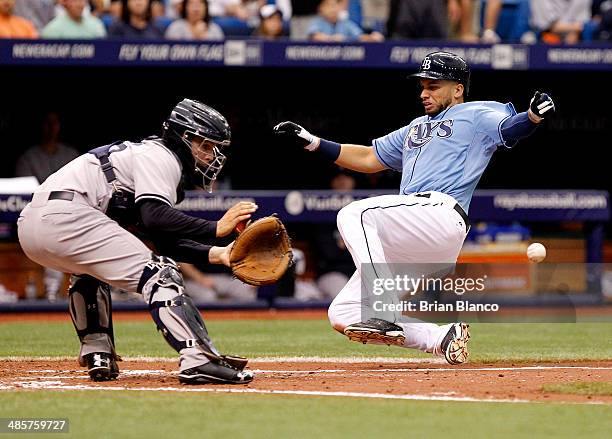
(377, 378)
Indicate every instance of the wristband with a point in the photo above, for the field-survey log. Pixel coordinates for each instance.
(329, 149)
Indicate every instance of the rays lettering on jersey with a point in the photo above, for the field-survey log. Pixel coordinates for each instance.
(422, 133)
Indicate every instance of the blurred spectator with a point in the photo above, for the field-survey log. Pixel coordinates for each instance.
(335, 264)
(116, 8)
(560, 20)
(506, 21)
(98, 7)
(136, 22)
(413, 19)
(304, 289)
(271, 23)
(12, 26)
(194, 24)
(240, 9)
(7, 296)
(49, 155)
(241, 17)
(74, 23)
(304, 11)
(461, 14)
(39, 12)
(209, 287)
(602, 17)
(41, 161)
(158, 9)
(330, 26)
(112, 13)
(159, 14)
(375, 14)
(174, 9)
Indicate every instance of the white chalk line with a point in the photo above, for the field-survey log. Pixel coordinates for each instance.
(56, 382)
(58, 385)
(279, 359)
(135, 372)
(437, 396)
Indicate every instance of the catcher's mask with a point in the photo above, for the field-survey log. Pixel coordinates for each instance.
(198, 135)
(209, 159)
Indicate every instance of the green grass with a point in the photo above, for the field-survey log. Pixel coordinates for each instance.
(258, 338)
(140, 415)
(581, 388)
(148, 414)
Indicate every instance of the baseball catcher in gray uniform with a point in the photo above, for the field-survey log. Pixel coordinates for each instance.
(81, 218)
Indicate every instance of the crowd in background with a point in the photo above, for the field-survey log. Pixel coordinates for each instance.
(469, 21)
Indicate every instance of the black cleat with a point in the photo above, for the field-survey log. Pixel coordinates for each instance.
(376, 330)
(454, 344)
(101, 366)
(215, 373)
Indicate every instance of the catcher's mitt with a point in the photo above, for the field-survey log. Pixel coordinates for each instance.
(262, 252)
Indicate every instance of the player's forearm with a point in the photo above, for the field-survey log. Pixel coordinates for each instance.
(355, 157)
(358, 158)
(184, 250)
(517, 127)
(159, 218)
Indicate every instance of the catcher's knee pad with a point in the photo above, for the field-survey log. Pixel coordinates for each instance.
(175, 315)
(91, 311)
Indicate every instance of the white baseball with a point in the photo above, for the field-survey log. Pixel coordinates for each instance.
(536, 252)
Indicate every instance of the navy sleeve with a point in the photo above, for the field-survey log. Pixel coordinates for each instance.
(158, 218)
(517, 127)
(183, 250)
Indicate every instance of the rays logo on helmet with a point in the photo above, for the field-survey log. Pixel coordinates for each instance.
(426, 64)
(421, 134)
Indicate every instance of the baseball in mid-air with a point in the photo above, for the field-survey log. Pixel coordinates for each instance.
(536, 252)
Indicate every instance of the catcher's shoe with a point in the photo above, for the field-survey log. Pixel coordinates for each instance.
(376, 330)
(101, 366)
(454, 344)
(216, 373)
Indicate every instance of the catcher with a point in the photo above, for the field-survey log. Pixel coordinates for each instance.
(78, 222)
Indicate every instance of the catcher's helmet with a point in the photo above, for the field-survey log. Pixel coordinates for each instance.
(191, 120)
(445, 65)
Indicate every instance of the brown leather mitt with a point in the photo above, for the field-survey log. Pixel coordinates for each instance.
(262, 252)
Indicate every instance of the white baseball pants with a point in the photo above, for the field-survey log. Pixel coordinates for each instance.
(416, 228)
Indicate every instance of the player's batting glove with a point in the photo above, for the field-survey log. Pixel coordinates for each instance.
(293, 130)
(540, 104)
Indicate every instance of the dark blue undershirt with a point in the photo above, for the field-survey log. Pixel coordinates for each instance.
(517, 127)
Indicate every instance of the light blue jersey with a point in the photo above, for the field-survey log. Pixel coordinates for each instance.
(447, 153)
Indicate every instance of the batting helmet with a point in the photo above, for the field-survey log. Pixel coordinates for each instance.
(445, 65)
(192, 119)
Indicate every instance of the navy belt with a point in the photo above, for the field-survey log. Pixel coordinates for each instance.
(463, 215)
(61, 195)
(457, 208)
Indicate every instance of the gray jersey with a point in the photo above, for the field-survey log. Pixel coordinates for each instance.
(147, 168)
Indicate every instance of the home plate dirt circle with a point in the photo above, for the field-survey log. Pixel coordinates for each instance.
(379, 378)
